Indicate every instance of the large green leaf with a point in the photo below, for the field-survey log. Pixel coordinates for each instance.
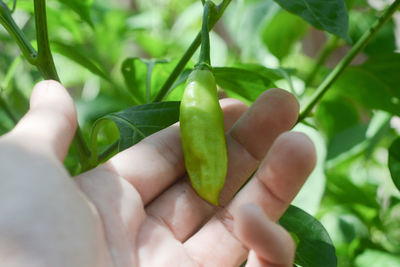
(314, 248)
(282, 32)
(374, 84)
(137, 122)
(329, 15)
(394, 162)
(242, 82)
(81, 7)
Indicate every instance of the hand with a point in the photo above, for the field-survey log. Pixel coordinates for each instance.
(138, 208)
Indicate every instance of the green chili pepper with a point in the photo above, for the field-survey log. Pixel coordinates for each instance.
(203, 135)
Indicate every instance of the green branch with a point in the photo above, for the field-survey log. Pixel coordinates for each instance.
(335, 73)
(215, 16)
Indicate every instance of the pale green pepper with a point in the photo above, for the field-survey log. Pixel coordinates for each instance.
(203, 135)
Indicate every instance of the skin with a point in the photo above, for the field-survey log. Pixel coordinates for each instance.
(138, 208)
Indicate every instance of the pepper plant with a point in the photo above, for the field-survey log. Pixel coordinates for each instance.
(126, 63)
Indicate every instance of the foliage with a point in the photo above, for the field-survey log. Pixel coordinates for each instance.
(115, 56)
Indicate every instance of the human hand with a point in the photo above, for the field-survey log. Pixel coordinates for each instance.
(138, 208)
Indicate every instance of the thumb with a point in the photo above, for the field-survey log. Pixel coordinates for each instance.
(50, 124)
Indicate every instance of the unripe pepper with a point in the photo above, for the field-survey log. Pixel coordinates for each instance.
(203, 135)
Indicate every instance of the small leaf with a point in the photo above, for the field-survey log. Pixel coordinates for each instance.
(245, 83)
(81, 7)
(138, 122)
(314, 248)
(394, 162)
(330, 16)
(75, 54)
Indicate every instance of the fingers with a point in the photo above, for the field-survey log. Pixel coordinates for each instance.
(50, 124)
(269, 243)
(273, 113)
(157, 161)
(274, 185)
(281, 175)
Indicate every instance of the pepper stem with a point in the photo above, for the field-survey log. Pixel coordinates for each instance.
(204, 60)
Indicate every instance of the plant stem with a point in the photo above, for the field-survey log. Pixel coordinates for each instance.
(189, 53)
(45, 65)
(9, 24)
(45, 62)
(335, 73)
(326, 50)
(205, 38)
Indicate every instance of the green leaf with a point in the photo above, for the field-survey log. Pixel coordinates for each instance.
(144, 76)
(81, 7)
(377, 258)
(314, 248)
(374, 84)
(394, 162)
(347, 139)
(281, 33)
(336, 113)
(383, 42)
(330, 16)
(138, 122)
(75, 54)
(267, 73)
(242, 82)
(177, 89)
(342, 187)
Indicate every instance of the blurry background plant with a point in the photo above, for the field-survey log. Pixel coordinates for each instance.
(113, 55)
